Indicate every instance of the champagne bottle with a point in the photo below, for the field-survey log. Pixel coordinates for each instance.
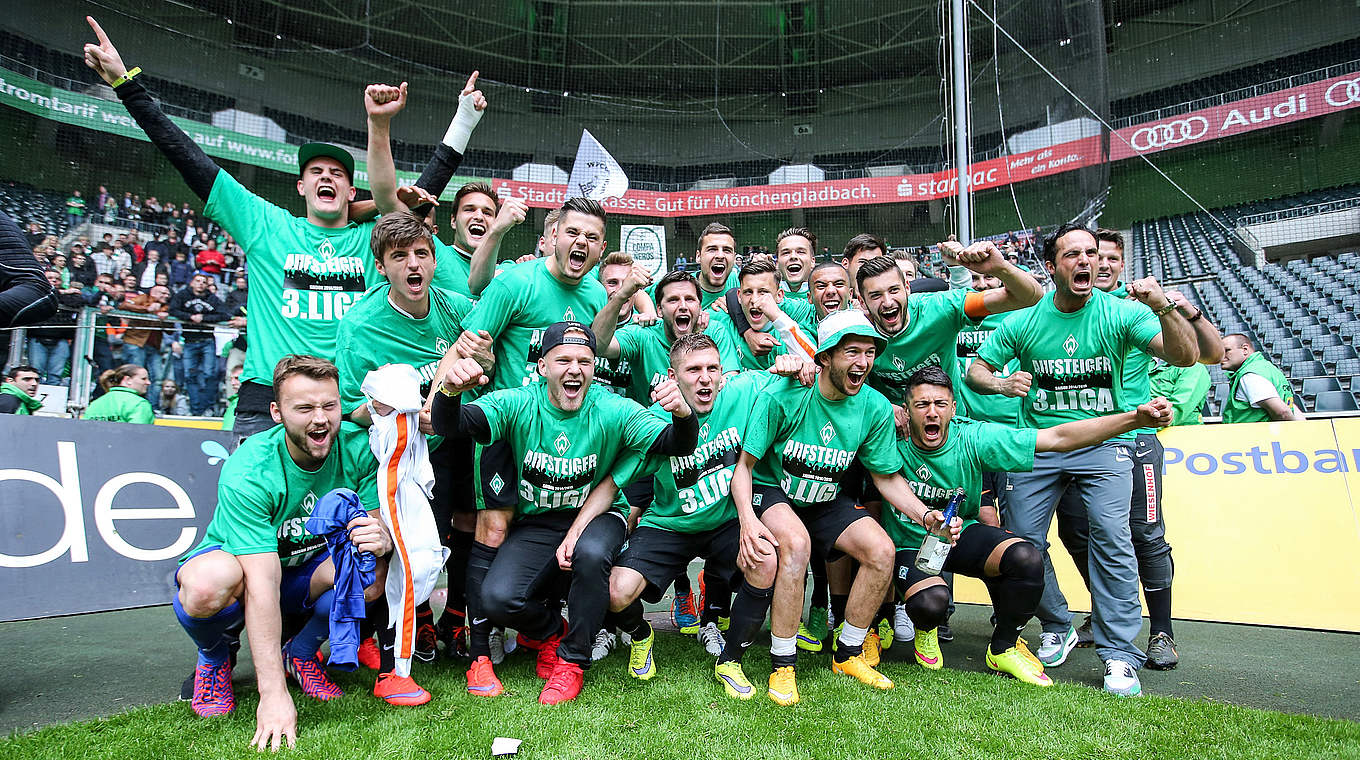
(935, 549)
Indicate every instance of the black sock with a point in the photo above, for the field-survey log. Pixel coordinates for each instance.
(460, 547)
(778, 661)
(820, 589)
(845, 651)
(631, 621)
(885, 612)
(838, 602)
(748, 612)
(424, 614)
(682, 584)
(387, 649)
(480, 558)
(1016, 594)
(1159, 611)
(717, 599)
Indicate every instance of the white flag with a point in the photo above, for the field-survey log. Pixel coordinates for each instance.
(596, 175)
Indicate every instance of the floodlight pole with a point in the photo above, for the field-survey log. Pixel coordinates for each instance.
(961, 153)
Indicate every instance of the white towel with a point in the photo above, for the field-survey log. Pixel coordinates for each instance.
(405, 484)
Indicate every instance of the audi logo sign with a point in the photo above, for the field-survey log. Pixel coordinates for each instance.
(1343, 93)
(1169, 133)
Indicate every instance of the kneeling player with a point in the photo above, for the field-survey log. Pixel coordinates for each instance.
(800, 442)
(943, 454)
(566, 435)
(256, 560)
(692, 516)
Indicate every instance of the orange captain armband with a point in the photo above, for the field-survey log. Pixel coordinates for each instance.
(974, 307)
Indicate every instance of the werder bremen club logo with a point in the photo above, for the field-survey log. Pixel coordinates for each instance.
(562, 443)
(828, 432)
(923, 473)
(568, 316)
(324, 249)
(1070, 345)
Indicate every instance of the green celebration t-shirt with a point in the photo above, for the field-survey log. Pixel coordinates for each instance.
(453, 266)
(120, 405)
(617, 375)
(970, 449)
(933, 324)
(1077, 359)
(518, 306)
(694, 493)
(303, 278)
(648, 351)
(804, 442)
(562, 455)
(375, 332)
(264, 498)
(725, 334)
(992, 407)
(1185, 387)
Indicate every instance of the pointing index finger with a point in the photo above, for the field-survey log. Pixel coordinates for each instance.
(98, 31)
(471, 83)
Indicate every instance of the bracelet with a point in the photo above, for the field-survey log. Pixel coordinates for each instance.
(444, 390)
(1170, 307)
(1199, 314)
(125, 78)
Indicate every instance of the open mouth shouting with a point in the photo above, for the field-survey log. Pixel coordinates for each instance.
(890, 316)
(1081, 279)
(717, 271)
(476, 230)
(931, 434)
(683, 322)
(318, 437)
(576, 261)
(793, 269)
(415, 285)
(854, 379)
(573, 389)
(704, 396)
(326, 192)
(831, 303)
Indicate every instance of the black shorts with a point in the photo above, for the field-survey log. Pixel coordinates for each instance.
(640, 493)
(825, 522)
(992, 485)
(968, 557)
(496, 476)
(660, 555)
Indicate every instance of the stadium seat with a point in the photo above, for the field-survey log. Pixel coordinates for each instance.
(1314, 386)
(1336, 401)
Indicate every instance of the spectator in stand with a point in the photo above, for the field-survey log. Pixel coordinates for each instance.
(35, 234)
(75, 210)
(19, 393)
(109, 260)
(133, 245)
(135, 212)
(198, 310)
(124, 398)
(236, 299)
(129, 284)
(181, 271)
(142, 341)
(100, 198)
(1257, 390)
(171, 401)
(105, 295)
(147, 270)
(82, 270)
(211, 261)
(174, 245)
(49, 341)
(58, 264)
(110, 211)
(233, 392)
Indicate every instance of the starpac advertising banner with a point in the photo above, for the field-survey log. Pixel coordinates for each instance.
(1264, 524)
(1239, 117)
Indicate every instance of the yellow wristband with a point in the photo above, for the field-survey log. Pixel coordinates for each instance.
(124, 79)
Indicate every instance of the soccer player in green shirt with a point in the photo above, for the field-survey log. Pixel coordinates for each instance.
(1072, 347)
(256, 560)
(566, 435)
(305, 271)
(799, 443)
(1147, 523)
(794, 253)
(692, 515)
(941, 454)
(760, 298)
(829, 289)
(717, 259)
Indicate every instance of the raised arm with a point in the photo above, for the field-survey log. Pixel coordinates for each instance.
(382, 102)
(1207, 336)
(607, 320)
(1080, 434)
(199, 171)
(483, 265)
(1020, 288)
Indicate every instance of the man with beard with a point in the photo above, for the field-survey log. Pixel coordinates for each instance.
(514, 311)
(1156, 568)
(693, 516)
(717, 259)
(923, 331)
(305, 271)
(256, 562)
(1073, 347)
(787, 489)
(566, 436)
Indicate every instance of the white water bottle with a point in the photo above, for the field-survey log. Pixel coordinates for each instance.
(935, 549)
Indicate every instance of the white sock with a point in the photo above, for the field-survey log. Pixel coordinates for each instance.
(853, 636)
(783, 645)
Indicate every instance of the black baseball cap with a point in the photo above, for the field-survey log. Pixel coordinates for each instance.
(313, 150)
(565, 333)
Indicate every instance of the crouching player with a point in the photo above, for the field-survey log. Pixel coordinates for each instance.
(692, 514)
(256, 561)
(943, 454)
(566, 435)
